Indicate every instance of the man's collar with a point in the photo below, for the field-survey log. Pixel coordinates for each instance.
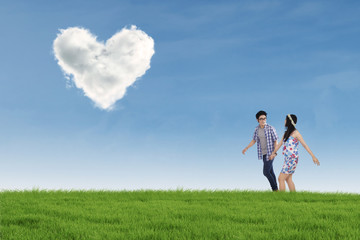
(264, 125)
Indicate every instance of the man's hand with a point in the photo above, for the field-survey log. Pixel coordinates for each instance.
(249, 146)
(244, 151)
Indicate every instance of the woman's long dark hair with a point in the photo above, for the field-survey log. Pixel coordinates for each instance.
(290, 126)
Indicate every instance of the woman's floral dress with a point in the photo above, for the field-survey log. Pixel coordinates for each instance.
(291, 153)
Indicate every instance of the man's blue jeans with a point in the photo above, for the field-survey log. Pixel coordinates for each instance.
(269, 173)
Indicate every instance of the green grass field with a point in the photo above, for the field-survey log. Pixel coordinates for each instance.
(178, 215)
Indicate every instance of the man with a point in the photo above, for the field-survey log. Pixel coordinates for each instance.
(266, 138)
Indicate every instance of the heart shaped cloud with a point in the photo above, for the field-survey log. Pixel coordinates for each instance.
(103, 71)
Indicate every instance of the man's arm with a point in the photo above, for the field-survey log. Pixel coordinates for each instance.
(249, 146)
(273, 154)
(275, 137)
(275, 144)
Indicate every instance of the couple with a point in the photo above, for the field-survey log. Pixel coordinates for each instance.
(266, 138)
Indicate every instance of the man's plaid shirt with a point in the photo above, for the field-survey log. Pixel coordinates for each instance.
(271, 137)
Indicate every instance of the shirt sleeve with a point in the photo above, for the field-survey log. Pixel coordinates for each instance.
(274, 135)
(255, 135)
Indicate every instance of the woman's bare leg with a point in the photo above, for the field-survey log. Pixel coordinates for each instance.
(281, 179)
(290, 183)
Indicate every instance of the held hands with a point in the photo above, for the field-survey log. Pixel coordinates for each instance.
(316, 161)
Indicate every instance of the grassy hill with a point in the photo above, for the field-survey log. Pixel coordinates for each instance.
(178, 215)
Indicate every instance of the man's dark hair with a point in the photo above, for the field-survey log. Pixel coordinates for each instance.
(260, 113)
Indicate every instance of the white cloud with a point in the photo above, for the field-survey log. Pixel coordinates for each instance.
(345, 81)
(308, 9)
(103, 70)
(326, 107)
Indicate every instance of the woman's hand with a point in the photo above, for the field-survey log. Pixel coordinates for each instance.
(272, 156)
(316, 161)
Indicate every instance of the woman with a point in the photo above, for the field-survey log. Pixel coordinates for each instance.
(291, 140)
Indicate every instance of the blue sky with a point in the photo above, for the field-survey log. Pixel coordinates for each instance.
(185, 122)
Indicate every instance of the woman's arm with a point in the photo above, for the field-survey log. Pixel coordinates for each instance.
(298, 136)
